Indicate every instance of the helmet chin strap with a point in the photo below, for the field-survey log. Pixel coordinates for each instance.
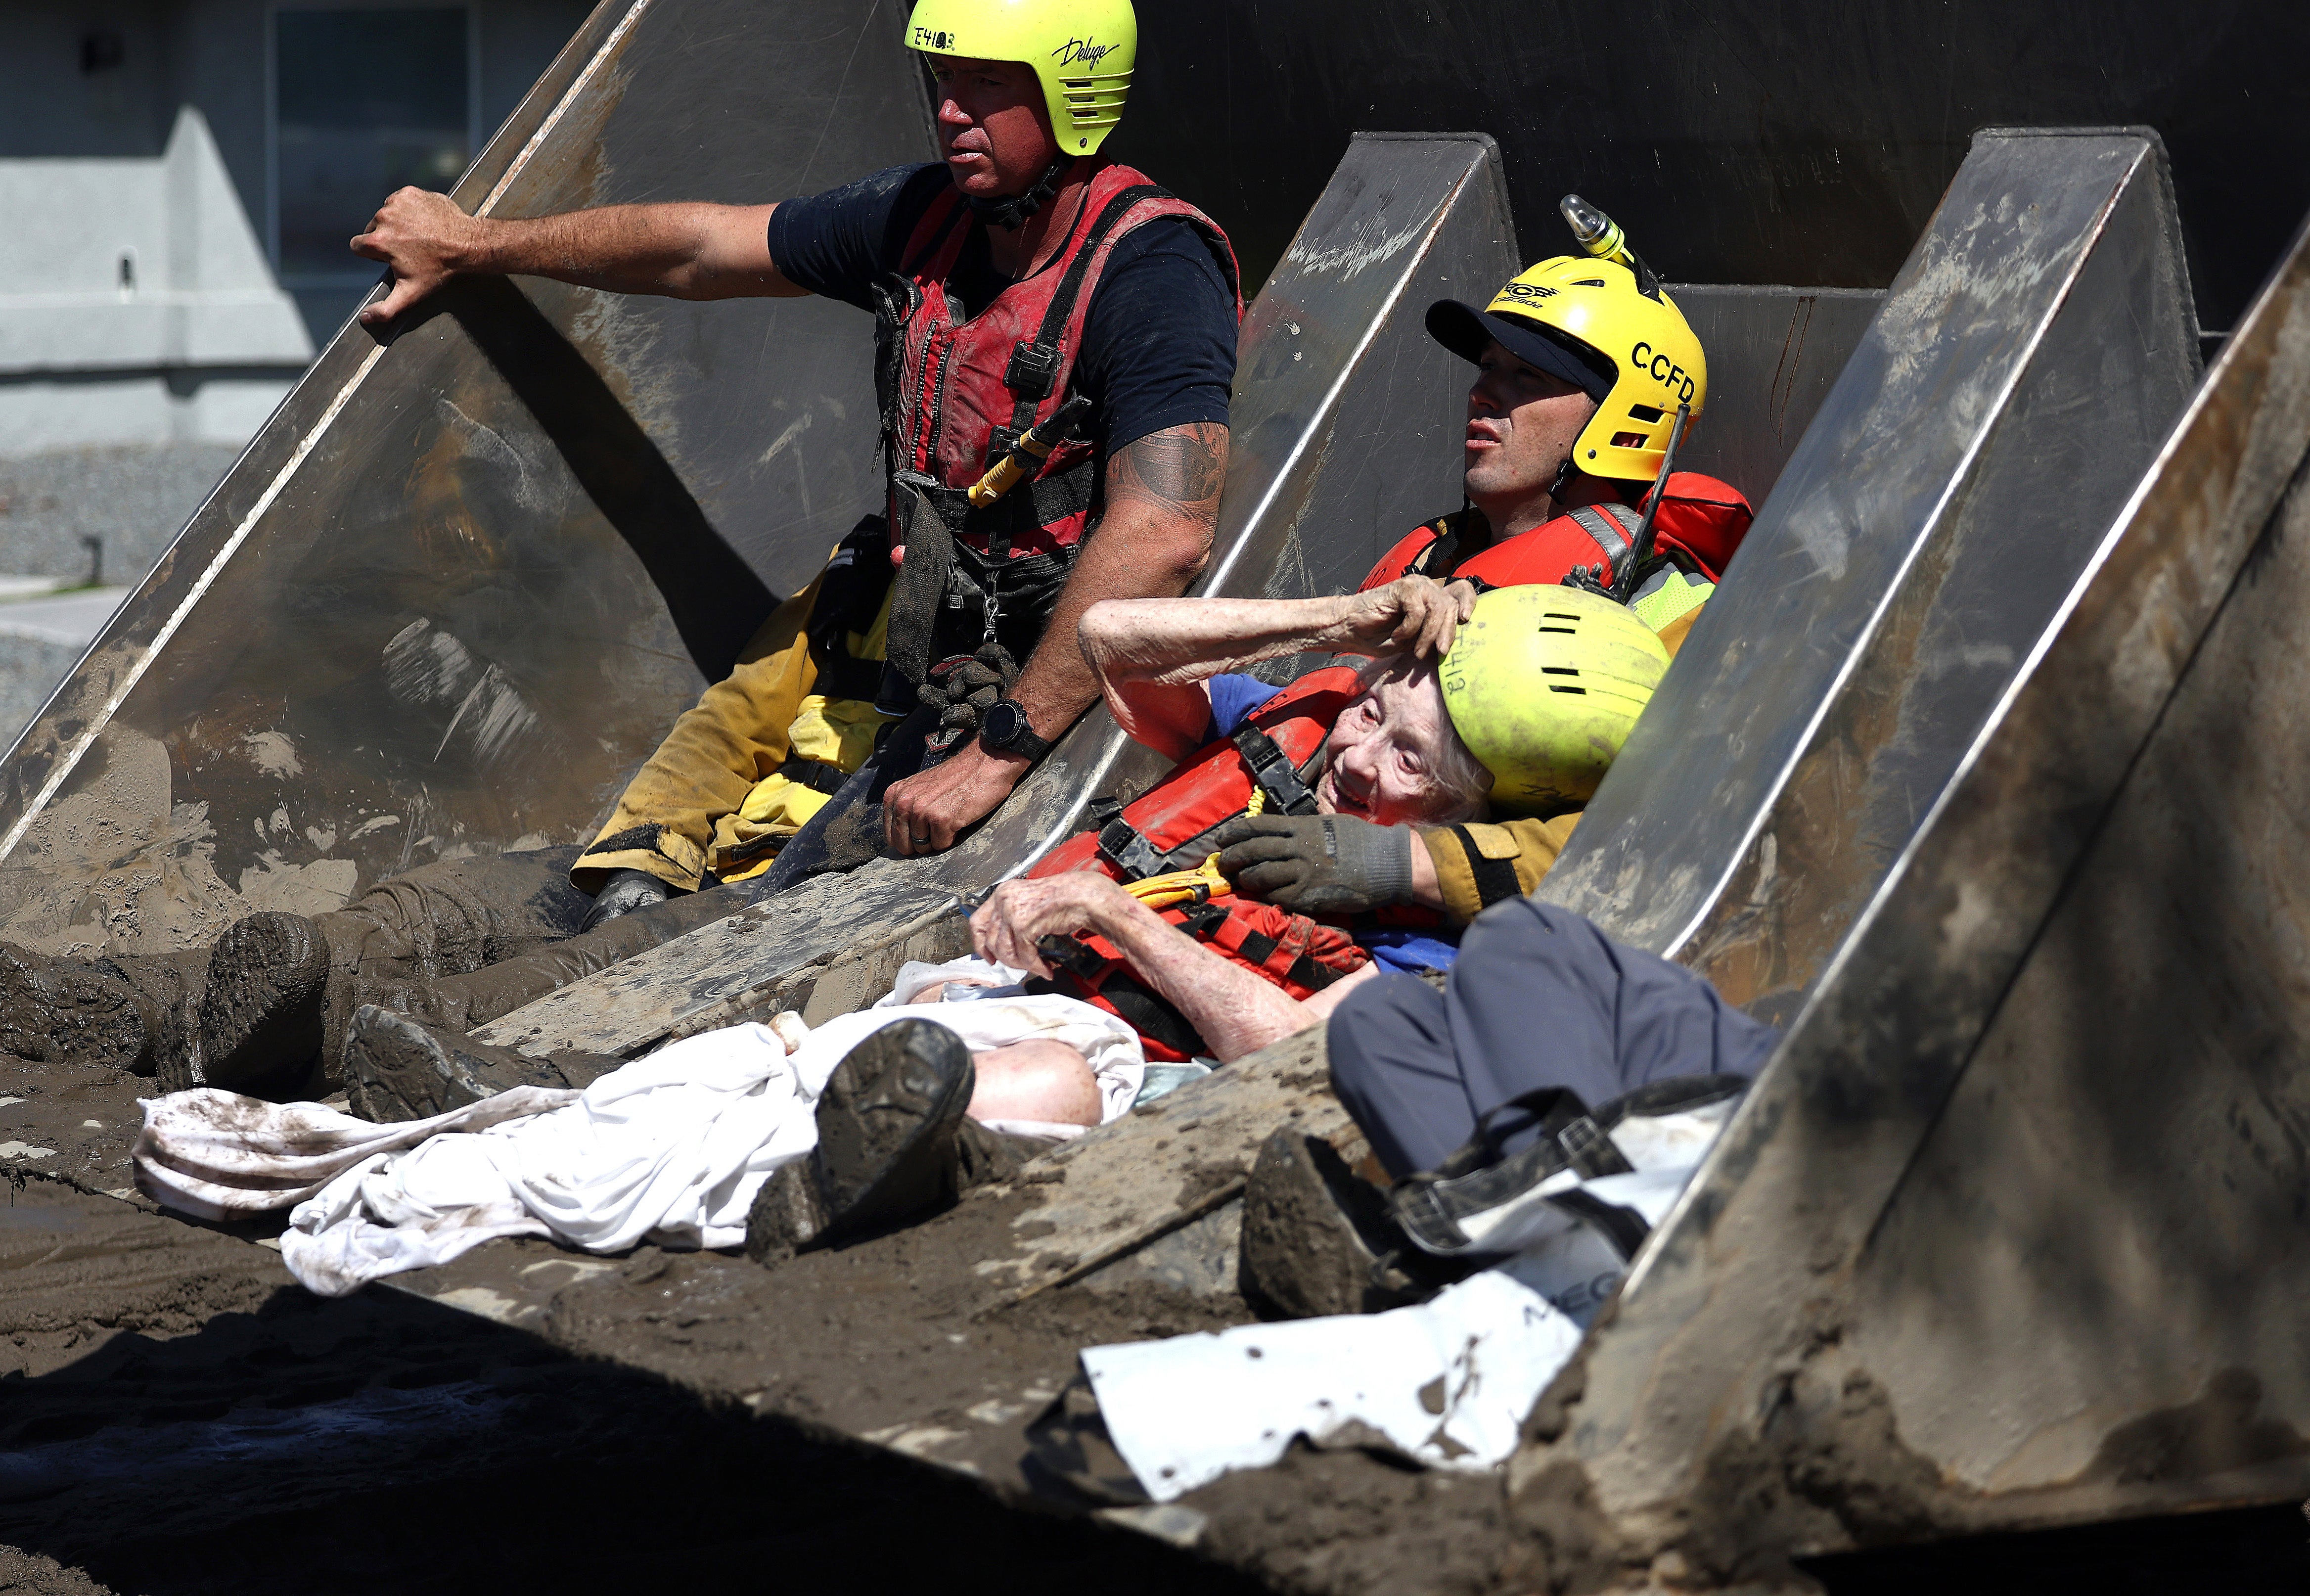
(1565, 471)
(1009, 212)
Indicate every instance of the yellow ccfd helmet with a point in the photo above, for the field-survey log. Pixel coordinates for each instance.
(1590, 323)
(1544, 684)
(1081, 51)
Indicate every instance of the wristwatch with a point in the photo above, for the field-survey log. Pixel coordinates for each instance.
(1004, 730)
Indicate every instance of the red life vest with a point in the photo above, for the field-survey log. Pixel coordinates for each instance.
(1168, 826)
(955, 394)
(1291, 951)
(1699, 527)
(1277, 749)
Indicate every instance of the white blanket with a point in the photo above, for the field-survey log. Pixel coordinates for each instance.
(670, 1147)
(1447, 1382)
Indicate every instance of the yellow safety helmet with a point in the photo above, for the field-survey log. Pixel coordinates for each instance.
(1544, 684)
(1590, 323)
(1081, 51)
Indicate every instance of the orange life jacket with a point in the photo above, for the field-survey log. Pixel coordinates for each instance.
(1699, 527)
(1291, 951)
(1275, 752)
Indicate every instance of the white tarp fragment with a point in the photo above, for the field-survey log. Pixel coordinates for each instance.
(1447, 1382)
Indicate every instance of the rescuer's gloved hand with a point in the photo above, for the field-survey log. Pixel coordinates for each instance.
(625, 892)
(1317, 864)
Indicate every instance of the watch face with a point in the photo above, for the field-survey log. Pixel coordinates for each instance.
(1003, 722)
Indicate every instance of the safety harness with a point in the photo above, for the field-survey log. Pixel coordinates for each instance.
(956, 390)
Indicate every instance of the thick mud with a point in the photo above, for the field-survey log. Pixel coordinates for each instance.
(176, 1417)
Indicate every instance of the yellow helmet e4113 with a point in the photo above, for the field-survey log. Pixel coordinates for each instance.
(1593, 324)
(1544, 684)
(1081, 51)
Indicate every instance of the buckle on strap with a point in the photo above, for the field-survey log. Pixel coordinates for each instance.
(1273, 771)
(1132, 852)
(1599, 522)
(1033, 370)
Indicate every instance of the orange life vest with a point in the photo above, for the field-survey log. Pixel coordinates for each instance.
(1699, 527)
(1275, 752)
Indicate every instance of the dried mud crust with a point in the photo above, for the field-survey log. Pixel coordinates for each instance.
(71, 1122)
(899, 1330)
(1348, 1521)
(177, 1420)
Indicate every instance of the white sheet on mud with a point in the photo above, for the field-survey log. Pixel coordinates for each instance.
(1448, 1382)
(671, 1148)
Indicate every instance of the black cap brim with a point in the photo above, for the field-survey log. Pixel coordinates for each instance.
(1467, 331)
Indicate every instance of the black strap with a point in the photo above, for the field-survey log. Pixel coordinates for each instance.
(816, 775)
(1273, 770)
(1034, 368)
(922, 579)
(1624, 1228)
(1132, 852)
(1496, 880)
(1600, 522)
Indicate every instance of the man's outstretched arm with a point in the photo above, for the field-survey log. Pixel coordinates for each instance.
(1162, 511)
(681, 251)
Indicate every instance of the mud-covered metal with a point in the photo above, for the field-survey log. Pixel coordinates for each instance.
(2008, 392)
(2011, 1227)
(460, 584)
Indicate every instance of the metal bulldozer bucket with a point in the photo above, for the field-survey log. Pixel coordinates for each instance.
(2009, 1233)
(1945, 508)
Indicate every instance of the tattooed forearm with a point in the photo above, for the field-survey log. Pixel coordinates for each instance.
(1178, 470)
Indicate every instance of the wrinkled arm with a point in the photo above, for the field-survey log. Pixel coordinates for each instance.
(1162, 506)
(685, 251)
(1147, 654)
(1235, 1011)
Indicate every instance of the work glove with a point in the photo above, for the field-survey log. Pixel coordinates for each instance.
(1317, 864)
(962, 687)
(625, 892)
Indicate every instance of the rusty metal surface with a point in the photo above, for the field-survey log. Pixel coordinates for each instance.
(2011, 1224)
(459, 587)
(2018, 376)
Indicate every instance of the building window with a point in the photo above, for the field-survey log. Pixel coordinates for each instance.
(365, 99)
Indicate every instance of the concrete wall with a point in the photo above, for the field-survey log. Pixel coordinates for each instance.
(142, 128)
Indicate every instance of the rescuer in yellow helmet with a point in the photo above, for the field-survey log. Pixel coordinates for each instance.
(1017, 393)
(1584, 364)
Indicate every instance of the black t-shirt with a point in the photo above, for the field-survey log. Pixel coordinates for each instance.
(1158, 335)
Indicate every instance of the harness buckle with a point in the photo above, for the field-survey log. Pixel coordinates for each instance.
(1033, 370)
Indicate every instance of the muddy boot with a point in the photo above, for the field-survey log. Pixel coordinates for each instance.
(978, 1157)
(398, 1069)
(1317, 1239)
(168, 988)
(60, 1011)
(886, 1128)
(260, 1015)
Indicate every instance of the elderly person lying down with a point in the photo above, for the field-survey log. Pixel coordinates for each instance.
(1520, 699)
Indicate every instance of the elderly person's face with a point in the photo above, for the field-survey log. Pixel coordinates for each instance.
(1389, 756)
